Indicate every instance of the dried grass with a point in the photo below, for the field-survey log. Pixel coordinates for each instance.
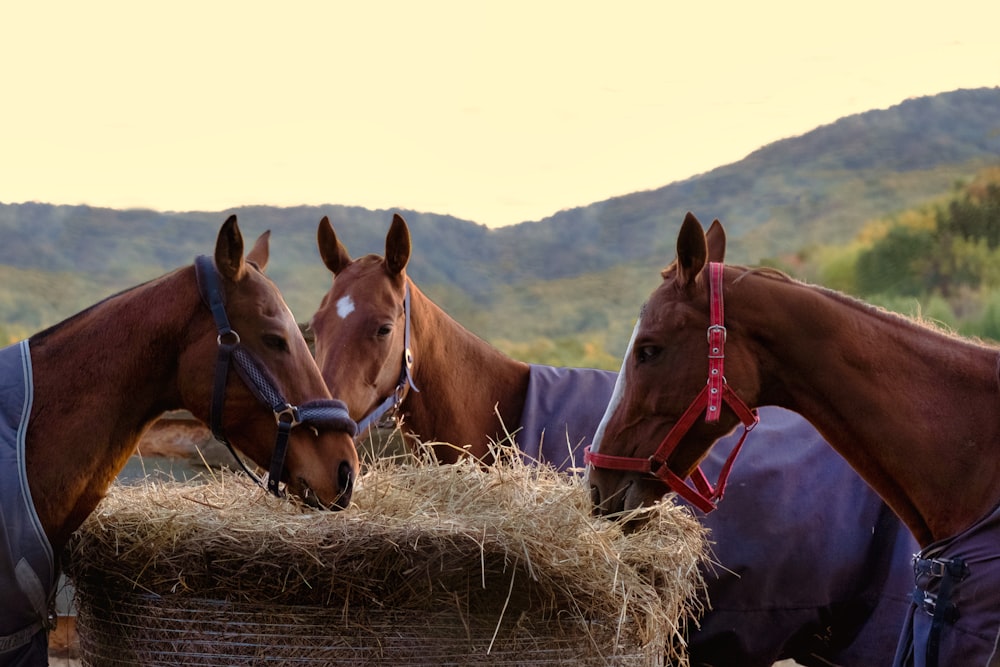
(455, 564)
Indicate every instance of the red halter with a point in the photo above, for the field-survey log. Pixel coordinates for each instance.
(709, 400)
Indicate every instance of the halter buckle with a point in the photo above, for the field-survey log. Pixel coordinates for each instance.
(938, 567)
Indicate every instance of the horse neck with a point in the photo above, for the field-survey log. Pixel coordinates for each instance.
(464, 382)
(913, 410)
(100, 378)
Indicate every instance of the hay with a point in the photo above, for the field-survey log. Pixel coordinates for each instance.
(432, 564)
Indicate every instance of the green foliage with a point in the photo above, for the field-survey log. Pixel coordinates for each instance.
(595, 309)
(988, 326)
(574, 351)
(939, 311)
(959, 251)
(31, 300)
(838, 269)
(973, 216)
(939, 263)
(897, 264)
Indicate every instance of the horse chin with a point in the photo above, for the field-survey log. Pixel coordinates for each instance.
(301, 489)
(640, 495)
(626, 504)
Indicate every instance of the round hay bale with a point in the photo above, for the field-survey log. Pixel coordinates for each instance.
(435, 565)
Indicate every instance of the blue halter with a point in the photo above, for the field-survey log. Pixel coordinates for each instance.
(322, 413)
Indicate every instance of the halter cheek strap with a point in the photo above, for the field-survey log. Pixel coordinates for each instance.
(708, 401)
(319, 414)
(395, 399)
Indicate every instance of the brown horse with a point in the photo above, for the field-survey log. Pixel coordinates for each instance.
(85, 390)
(912, 409)
(760, 609)
(360, 329)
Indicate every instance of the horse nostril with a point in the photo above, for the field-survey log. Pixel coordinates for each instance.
(345, 479)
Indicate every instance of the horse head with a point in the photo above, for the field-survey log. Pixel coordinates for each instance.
(276, 390)
(663, 372)
(361, 324)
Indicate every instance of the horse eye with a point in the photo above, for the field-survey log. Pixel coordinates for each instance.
(276, 342)
(646, 353)
(384, 330)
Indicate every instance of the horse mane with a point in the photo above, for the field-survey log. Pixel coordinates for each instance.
(917, 322)
(370, 259)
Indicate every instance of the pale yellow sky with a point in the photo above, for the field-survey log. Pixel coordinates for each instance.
(492, 112)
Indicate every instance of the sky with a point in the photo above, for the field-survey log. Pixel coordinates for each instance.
(494, 112)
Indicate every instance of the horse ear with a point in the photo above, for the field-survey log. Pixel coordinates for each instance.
(260, 252)
(332, 251)
(229, 250)
(716, 239)
(397, 245)
(692, 249)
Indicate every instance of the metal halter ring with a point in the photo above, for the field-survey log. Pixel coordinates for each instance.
(229, 335)
(291, 412)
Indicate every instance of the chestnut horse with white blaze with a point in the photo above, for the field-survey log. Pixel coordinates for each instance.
(360, 331)
(216, 339)
(914, 410)
(800, 577)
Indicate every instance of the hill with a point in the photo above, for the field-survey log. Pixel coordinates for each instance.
(581, 270)
(820, 187)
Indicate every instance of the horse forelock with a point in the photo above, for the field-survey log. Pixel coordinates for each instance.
(361, 278)
(369, 262)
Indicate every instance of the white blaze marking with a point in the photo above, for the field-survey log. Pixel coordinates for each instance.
(616, 394)
(345, 306)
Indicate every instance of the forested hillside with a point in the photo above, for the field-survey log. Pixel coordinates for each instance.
(939, 262)
(570, 282)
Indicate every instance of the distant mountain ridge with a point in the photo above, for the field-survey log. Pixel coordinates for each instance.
(788, 193)
(820, 187)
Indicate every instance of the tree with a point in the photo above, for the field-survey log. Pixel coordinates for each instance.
(899, 263)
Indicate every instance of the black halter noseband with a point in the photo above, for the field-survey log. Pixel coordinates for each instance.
(328, 414)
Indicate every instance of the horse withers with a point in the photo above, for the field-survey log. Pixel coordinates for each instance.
(911, 408)
(216, 339)
(798, 576)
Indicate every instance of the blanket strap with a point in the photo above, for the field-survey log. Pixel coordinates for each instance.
(23, 636)
(940, 607)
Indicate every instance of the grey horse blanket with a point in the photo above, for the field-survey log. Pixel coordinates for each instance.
(812, 564)
(27, 567)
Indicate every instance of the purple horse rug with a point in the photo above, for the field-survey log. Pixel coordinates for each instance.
(954, 618)
(812, 564)
(808, 553)
(562, 409)
(27, 567)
